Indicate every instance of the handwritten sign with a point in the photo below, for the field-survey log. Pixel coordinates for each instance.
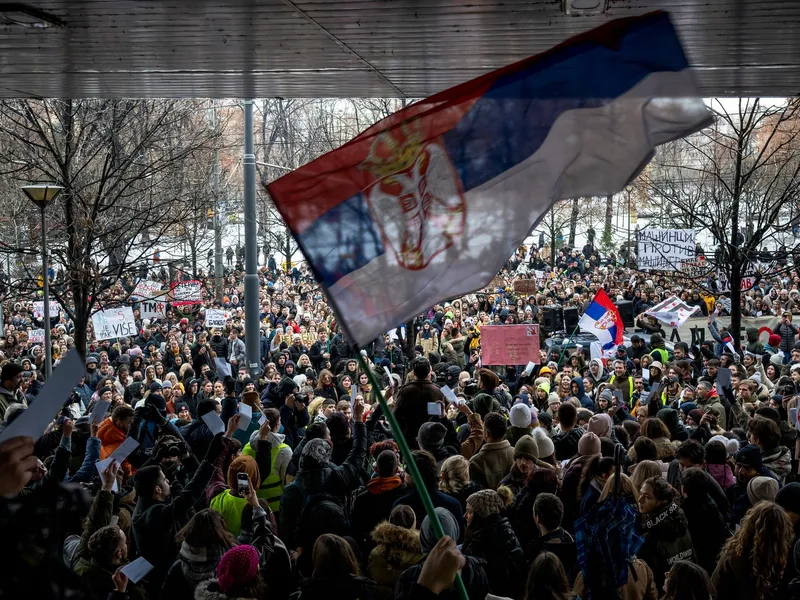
(147, 289)
(526, 287)
(186, 293)
(509, 344)
(152, 309)
(38, 309)
(215, 318)
(114, 323)
(665, 249)
(36, 336)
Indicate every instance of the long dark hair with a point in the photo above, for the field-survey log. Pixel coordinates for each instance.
(687, 581)
(207, 528)
(333, 557)
(547, 579)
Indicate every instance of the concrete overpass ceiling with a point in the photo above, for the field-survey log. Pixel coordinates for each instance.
(346, 48)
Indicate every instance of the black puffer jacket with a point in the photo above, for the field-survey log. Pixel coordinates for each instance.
(493, 539)
(666, 539)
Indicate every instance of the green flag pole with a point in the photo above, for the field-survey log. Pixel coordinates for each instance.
(411, 466)
(564, 349)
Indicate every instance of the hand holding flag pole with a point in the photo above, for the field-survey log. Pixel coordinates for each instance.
(411, 466)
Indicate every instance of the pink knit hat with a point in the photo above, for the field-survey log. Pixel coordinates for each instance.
(238, 567)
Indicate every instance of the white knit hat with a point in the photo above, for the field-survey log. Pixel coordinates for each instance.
(544, 443)
(520, 415)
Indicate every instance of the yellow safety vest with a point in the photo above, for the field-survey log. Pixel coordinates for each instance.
(630, 383)
(662, 353)
(230, 507)
(271, 487)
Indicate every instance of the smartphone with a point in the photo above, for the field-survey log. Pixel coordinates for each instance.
(793, 416)
(243, 484)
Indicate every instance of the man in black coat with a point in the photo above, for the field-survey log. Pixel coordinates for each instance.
(373, 502)
(411, 401)
(159, 516)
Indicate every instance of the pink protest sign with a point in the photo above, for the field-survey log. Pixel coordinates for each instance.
(509, 344)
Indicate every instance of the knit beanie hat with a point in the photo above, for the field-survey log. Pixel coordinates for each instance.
(485, 503)
(750, 456)
(762, 488)
(589, 444)
(545, 419)
(696, 415)
(731, 445)
(403, 515)
(774, 340)
(238, 567)
(788, 497)
(607, 395)
(776, 359)
(431, 435)
(317, 451)
(534, 416)
(520, 415)
(601, 425)
(670, 417)
(526, 447)
(553, 398)
(428, 539)
(543, 443)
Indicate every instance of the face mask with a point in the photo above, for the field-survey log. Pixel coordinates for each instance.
(280, 429)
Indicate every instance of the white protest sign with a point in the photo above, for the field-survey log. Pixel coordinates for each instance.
(153, 309)
(186, 293)
(33, 421)
(38, 309)
(215, 318)
(147, 289)
(114, 323)
(213, 422)
(748, 280)
(665, 249)
(223, 368)
(36, 336)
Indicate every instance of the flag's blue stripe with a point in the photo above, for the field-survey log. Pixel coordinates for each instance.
(595, 311)
(506, 126)
(342, 240)
(511, 121)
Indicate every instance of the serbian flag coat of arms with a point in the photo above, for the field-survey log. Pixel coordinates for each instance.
(602, 318)
(430, 202)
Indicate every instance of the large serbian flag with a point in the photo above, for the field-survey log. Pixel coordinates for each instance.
(602, 318)
(430, 202)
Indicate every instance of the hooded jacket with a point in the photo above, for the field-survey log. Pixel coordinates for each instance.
(493, 539)
(712, 400)
(373, 504)
(779, 461)
(586, 402)
(396, 549)
(666, 540)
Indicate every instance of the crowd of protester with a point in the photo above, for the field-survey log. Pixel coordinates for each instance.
(667, 471)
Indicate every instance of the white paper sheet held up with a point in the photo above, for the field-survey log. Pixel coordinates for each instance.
(49, 401)
(137, 569)
(245, 416)
(450, 395)
(99, 411)
(213, 422)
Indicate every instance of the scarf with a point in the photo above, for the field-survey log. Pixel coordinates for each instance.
(199, 564)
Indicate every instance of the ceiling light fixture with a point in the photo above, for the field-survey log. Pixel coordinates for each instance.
(584, 7)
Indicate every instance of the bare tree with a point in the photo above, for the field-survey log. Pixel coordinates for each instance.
(739, 181)
(119, 163)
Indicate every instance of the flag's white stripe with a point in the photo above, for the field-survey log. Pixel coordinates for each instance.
(589, 151)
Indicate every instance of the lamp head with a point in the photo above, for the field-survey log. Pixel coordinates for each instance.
(42, 194)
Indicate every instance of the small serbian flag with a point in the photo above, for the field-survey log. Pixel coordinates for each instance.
(430, 202)
(602, 319)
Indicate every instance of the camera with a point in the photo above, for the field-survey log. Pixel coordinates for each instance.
(300, 397)
(471, 387)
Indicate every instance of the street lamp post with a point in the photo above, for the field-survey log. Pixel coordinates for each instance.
(42, 195)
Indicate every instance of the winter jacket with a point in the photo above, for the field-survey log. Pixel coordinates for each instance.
(733, 580)
(314, 480)
(514, 480)
(666, 540)
(665, 450)
(492, 539)
(560, 543)
(722, 474)
(236, 352)
(712, 400)
(640, 585)
(779, 461)
(492, 463)
(411, 407)
(198, 436)
(439, 499)
(707, 528)
(156, 524)
(372, 504)
(110, 439)
(473, 574)
(586, 401)
(194, 566)
(788, 333)
(566, 443)
(396, 549)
